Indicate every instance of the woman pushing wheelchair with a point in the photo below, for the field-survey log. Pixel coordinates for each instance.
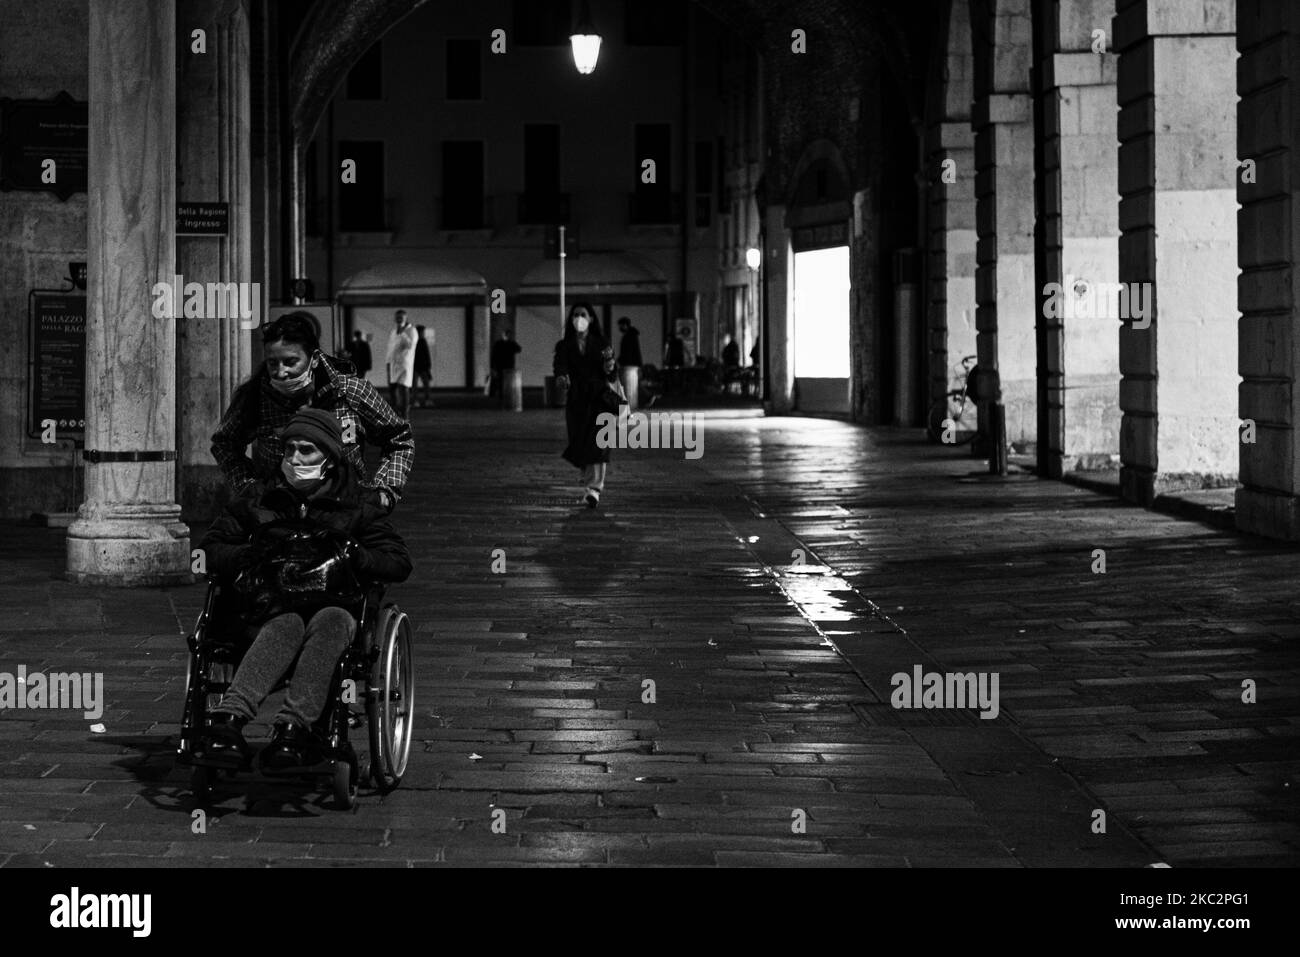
(301, 609)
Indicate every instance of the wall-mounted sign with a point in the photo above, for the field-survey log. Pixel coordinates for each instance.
(202, 219)
(57, 363)
(44, 145)
(805, 238)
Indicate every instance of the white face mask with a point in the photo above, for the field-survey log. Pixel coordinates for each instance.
(580, 324)
(302, 476)
(293, 383)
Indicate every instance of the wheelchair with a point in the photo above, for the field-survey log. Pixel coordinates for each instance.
(378, 660)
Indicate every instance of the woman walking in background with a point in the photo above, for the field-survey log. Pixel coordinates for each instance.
(423, 369)
(584, 365)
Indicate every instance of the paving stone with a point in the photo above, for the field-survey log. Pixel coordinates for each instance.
(1120, 691)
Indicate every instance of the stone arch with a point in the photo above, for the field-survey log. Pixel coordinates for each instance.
(820, 154)
(818, 212)
(338, 32)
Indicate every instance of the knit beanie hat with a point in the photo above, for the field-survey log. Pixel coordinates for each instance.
(319, 426)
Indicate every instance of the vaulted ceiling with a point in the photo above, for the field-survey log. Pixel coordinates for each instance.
(335, 33)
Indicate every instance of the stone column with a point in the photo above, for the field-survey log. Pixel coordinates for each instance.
(1006, 302)
(949, 164)
(1078, 241)
(951, 276)
(1177, 216)
(778, 297)
(212, 167)
(1268, 228)
(481, 348)
(128, 530)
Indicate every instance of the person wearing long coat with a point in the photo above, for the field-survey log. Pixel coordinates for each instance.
(584, 364)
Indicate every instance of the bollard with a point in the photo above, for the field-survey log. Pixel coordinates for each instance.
(512, 390)
(631, 376)
(997, 438)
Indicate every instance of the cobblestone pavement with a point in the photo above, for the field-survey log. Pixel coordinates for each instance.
(769, 590)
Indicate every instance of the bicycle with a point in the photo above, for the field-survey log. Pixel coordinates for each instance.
(954, 418)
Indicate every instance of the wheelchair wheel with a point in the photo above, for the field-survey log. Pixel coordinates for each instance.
(955, 416)
(345, 785)
(390, 706)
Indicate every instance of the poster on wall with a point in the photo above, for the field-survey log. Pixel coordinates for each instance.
(44, 145)
(57, 364)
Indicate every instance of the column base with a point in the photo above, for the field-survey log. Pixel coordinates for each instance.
(1090, 462)
(1270, 514)
(1143, 486)
(126, 545)
(1137, 486)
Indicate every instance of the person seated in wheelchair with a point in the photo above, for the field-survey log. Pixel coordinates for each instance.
(299, 549)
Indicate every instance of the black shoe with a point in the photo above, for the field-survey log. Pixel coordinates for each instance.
(222, 741)
(291, 749)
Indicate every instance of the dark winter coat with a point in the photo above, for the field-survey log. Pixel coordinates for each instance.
(359, 350)
(629, 348)
(339, 505)
(423, 359)
(590, 394)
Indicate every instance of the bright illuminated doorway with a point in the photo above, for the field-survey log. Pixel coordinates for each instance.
(821, 329)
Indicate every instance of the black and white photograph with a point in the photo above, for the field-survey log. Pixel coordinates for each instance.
(653, 436)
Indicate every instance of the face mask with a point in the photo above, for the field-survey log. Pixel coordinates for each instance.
(580, 324)
(294, 383)
(302, 476)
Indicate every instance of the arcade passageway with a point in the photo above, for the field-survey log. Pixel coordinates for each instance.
(770, 590)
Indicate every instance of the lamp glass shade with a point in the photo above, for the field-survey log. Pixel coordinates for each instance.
(753, 258)
(586, 51)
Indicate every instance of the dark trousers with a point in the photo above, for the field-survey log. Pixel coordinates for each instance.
(317, 645)
(401, 400)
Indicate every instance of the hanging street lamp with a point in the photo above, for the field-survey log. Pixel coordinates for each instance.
(586, 42)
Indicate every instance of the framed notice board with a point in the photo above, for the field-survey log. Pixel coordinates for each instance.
(44, 145)
(56, 363)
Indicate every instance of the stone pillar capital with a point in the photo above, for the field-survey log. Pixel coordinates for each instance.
(1082, 69)
(1002, 108)
(1139, 20)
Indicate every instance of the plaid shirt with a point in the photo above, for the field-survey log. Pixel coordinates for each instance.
(353, 400)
